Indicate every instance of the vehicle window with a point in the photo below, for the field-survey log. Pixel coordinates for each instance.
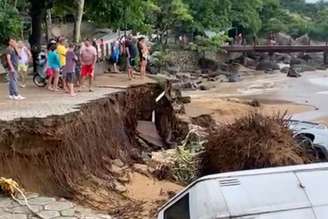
(179, 210)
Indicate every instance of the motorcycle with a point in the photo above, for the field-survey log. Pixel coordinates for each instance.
(41, 77)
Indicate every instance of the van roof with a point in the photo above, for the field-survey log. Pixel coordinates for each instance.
(274, 170)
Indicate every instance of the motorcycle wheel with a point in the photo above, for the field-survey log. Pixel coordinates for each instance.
(39, 81)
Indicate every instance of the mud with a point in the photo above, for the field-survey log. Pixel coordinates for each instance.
(71, 155)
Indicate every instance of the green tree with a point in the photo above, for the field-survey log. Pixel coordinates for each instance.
(10, 22)
(210, 14)
(119, 14)
(168, 15)
(245, 14)
(319, 30)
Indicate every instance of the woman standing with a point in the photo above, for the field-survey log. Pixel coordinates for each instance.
(144, 53)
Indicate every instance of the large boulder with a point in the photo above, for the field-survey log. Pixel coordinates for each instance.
(284, 39)
(304, 68)
(297, 61)
(302, 40)
(282, 57)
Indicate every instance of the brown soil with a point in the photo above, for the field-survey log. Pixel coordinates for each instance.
(71, 155)
(252, 142)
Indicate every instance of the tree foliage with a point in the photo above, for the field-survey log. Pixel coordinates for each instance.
(10, 22)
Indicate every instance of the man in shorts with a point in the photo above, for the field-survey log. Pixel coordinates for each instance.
(25, 57)
(131, 52)
(88, 59)
(69, 69)
(62, 50)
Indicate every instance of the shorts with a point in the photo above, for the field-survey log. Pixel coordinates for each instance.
(22, 68)
(51, 71)
(131, 62)
(87, 70)
(70, 77)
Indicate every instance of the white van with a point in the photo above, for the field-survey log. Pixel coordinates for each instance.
(293, 192)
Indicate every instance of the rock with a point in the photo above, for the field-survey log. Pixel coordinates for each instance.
(103, 216)
(249, 62)
(204, 87)
(41, 201)
(254, 103)
(283, 39)
(293, 73)
(204, 121)
(302, 40)
(49, 214)
(234, 78)
(118, 163)
(119, 187)
(59, 206)
(184, 100)
(173, 70)
(304, 68)
(284, 70)
(68, 212)
(116, 170)
(124, 179)
(296, 61)
(282, 57)
(179, 108)
(163, 157)
(266, 65)
(141, 168)
(222, 78)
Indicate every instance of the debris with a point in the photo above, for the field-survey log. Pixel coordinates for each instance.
(254, 141)
(119, 187)
(147, 131)
(142, 169)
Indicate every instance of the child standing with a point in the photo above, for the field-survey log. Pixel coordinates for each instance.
(69, 69)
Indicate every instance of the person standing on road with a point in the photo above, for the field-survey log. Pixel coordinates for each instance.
(143, 53)
(131, 54)
(54, 67)
(69, 69)
(115, 54)
(12, 58)
(62, 50)
(88, 59)
(25, 56)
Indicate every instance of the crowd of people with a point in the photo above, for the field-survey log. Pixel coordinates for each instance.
(73, 64)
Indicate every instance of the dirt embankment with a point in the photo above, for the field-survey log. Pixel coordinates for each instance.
(72, 155)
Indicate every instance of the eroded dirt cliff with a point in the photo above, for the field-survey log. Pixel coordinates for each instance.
(71, 155)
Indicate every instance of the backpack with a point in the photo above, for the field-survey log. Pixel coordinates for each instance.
(3, 60)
